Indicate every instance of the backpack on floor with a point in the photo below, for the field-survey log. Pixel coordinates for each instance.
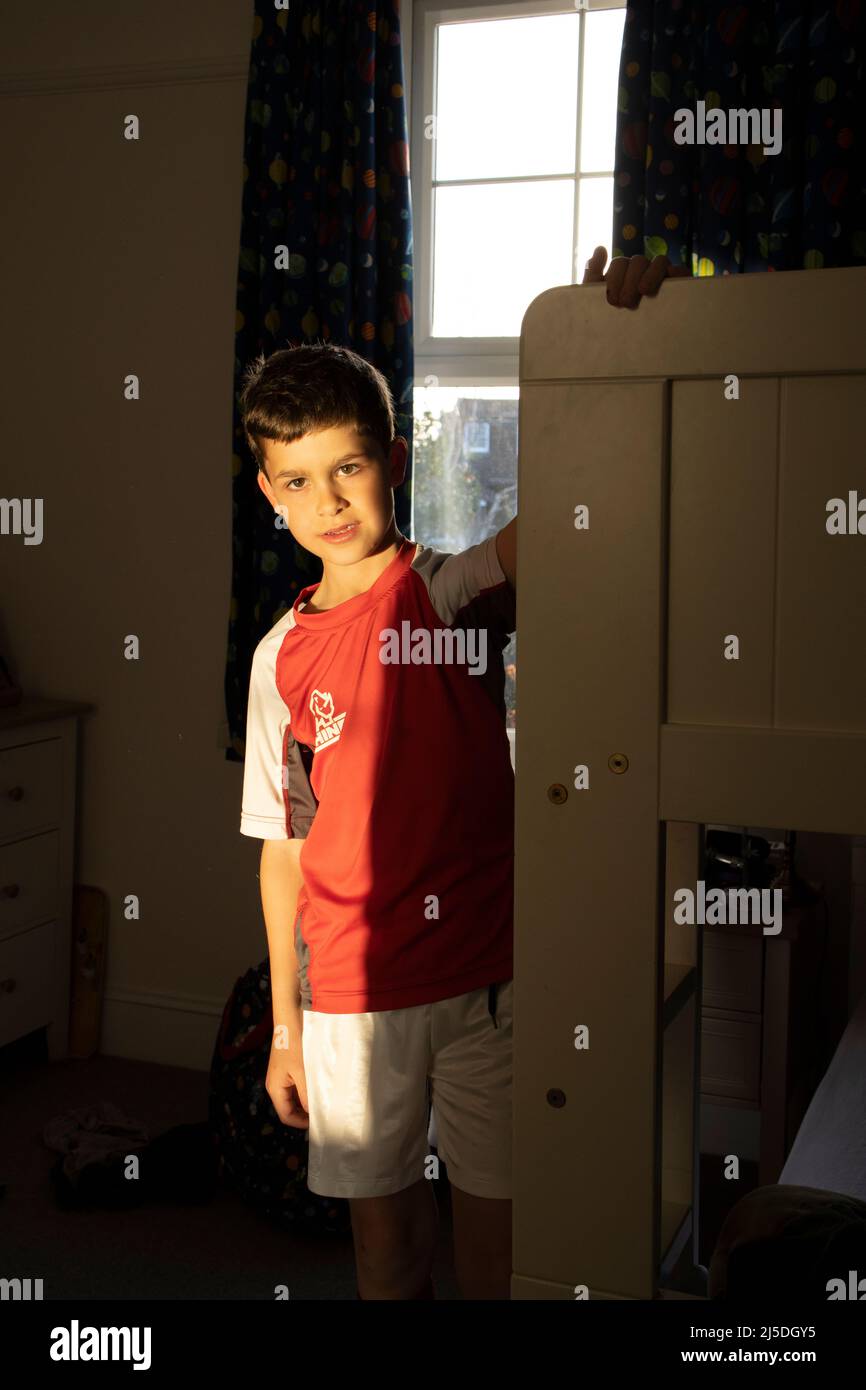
(258, 1156)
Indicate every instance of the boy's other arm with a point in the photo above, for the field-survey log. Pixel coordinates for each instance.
(506, 550)
(281, 880)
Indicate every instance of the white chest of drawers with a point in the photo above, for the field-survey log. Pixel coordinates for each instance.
(38, 755)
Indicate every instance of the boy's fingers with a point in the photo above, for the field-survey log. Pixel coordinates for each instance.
(624, 291)
(594, 272)
(630, 293)
(629, 277)
(296, 1113)
(615, 277)
(658, 269)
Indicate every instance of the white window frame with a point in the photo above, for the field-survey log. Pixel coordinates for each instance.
(483, 361)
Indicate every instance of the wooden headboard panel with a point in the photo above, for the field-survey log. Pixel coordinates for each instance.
(694, 652)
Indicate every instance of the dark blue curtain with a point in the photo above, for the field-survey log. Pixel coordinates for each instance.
(716, 208)
(326, 174)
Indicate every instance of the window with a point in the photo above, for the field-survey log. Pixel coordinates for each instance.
(512, 128)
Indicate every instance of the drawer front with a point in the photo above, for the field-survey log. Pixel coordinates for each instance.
(30, 787)
(732, 972)
(730, 1058)
(28, 981)
(29, 882)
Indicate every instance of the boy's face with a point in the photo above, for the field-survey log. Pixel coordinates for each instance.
(329, 479)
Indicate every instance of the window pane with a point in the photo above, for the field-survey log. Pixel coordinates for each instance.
(462, 491)
(506, 97)
(595, 226)
(600, 89)
(496, 247)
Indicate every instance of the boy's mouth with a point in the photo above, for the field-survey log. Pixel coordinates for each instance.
(338, 533)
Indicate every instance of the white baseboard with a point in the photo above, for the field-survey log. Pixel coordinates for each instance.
(178, 1030)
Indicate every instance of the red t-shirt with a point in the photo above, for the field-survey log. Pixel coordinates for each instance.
(376, 733)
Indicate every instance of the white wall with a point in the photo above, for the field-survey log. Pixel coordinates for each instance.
(123, 258)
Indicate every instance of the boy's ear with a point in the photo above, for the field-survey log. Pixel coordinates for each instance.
(266, 488)
(397, 461)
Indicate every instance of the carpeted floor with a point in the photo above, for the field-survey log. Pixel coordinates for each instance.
(221, 1249)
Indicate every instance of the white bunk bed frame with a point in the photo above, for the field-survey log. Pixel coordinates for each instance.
(707, 520)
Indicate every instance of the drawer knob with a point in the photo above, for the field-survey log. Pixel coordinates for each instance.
(11, 890)
(7, 986)
(16, 793)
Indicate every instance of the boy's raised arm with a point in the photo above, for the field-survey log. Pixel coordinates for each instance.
(506, 550)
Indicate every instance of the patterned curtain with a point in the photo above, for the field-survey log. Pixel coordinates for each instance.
(718, 208)
(326, 175)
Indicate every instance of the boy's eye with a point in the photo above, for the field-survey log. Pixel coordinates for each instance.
(290, 481)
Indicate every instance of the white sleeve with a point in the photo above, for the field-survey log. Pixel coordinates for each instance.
(264, 813)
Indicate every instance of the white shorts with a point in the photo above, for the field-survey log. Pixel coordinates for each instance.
(367, 1090)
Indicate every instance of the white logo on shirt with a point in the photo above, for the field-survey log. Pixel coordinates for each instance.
(328, 725)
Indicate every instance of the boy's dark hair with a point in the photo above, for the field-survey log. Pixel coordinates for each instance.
(314, 386)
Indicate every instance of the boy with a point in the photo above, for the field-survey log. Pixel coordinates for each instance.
(378, 775)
